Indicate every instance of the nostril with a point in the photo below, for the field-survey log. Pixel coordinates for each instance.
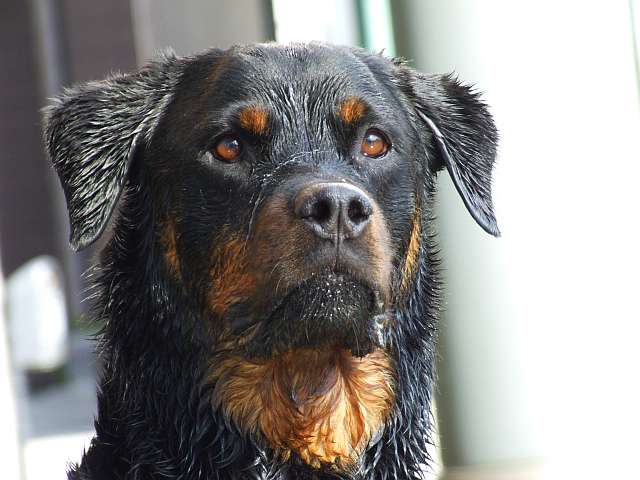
(320, 211)
(358, 211)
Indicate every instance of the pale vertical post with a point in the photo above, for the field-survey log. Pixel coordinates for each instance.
(9, 441)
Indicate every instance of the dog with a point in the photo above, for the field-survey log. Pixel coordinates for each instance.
(270, 289)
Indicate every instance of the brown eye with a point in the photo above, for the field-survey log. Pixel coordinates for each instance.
(227, 149)
(374, 144)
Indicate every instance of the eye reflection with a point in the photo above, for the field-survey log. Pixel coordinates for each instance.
(374, 144)
(228, 149)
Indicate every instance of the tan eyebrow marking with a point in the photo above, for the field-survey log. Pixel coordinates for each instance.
(254, 119)
(351, 110)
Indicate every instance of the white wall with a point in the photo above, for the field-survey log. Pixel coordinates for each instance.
(541, 331)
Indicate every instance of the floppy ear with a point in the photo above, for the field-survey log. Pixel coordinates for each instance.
(92, 133)
(464, 134)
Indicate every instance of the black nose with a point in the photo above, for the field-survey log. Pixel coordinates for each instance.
(335, 211)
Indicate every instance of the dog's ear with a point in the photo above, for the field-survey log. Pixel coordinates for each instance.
(464, 133)
(92, 133)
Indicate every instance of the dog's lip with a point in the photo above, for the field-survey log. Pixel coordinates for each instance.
(246, 321)
(332, 276)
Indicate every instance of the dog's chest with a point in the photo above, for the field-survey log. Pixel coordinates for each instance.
(322, 406)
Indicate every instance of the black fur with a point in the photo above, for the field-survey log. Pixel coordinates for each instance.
(145, 136)
(93, 134)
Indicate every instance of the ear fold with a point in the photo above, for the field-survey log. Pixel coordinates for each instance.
(92, 133)
(464, 134)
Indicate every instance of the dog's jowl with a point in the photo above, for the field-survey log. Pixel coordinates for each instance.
(269, 290)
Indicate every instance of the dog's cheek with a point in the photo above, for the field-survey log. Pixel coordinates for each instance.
(232, 281)
(380, 254)
(246, 267)
(412, 253)
(277, 246)
(169, 246)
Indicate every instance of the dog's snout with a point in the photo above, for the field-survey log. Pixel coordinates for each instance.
(333, 211)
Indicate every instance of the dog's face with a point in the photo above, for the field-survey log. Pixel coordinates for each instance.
(289, 189)
(293, 190)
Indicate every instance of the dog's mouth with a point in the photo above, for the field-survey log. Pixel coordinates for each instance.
(326, 309)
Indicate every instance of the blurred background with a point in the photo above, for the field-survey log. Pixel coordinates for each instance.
(540, 340)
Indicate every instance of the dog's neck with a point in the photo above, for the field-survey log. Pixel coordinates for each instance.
(324, 405)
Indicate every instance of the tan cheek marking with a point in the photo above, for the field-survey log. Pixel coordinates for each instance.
(231, 280)
(169, 245)
(413, 251)
(278, 244)
(380, 251)
(323, 405)
(351, 110)
(254, 120)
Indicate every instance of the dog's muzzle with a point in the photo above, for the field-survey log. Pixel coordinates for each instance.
(322, 262)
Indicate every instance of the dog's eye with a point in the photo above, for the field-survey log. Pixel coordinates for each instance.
(374, 144)
(227, 149)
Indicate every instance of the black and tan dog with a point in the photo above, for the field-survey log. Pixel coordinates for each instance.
(270, 289)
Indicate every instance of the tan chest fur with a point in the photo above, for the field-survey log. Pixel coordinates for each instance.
(323, 405)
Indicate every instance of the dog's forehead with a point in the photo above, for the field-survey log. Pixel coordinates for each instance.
(299, 73)
(302, 64)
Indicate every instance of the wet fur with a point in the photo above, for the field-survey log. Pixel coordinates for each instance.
(160, 407)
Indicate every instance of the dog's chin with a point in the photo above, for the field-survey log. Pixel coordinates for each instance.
(324, 311)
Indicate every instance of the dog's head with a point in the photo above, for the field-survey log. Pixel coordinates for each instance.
(288, 185)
